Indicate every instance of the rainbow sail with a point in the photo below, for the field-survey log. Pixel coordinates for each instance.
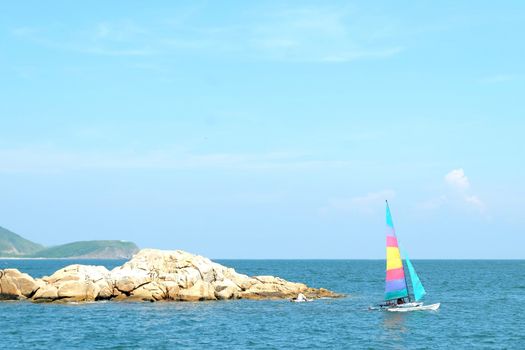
(395, 286)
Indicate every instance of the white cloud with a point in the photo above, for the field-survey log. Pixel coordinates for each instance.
(459, 195)
(457, 179)
(460, 183)
(475, 202)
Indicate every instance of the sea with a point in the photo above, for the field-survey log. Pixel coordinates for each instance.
(482, 307)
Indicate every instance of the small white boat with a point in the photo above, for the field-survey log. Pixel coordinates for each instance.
(397, 296)
(301, 299)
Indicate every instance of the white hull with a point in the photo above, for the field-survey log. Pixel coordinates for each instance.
(411, 304)
(414, 308)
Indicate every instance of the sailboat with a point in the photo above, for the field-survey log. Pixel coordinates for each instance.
(397, 296)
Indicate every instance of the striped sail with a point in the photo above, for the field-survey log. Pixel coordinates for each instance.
(395, 286)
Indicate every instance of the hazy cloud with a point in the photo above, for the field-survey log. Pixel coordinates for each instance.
(460, 183)
(321, 34)
(475, 201)
(324, 34)
(459, 194)
(457, 179)
(34, 160)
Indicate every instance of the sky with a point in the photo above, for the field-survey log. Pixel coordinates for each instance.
(268, 129)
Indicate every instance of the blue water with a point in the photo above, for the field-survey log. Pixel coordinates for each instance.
(482, 307)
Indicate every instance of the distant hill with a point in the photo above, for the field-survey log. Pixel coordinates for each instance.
(15, 246)
(90, 250)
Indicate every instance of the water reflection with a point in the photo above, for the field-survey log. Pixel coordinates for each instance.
(394, 326)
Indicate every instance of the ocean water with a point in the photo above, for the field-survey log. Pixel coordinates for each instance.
(482, 306)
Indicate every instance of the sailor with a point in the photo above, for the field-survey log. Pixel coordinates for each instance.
(400, 301)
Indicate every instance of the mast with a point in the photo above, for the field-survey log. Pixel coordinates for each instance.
(408, 289)
(405, 276)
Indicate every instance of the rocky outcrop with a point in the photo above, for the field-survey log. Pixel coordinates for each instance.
(16, 285)
(76, 283)
(152, 275)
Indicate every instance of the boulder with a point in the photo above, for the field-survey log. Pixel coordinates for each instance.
(198, 292)
(78, 291)
(80, 283)
(79, 273)
(169, 265)
(128, 280)
(172, 290)
(149, 292)
(106, 290)
(270, 287)
(15, 284)
(242, 281)
(226, 289)
(47, 292)
(8, 289)
(187, 277)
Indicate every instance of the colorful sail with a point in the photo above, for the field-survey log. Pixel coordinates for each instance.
(395, 286)
(417, 286)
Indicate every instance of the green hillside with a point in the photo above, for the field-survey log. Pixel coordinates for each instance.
(15, 246)
(12, 245)
(90, 249)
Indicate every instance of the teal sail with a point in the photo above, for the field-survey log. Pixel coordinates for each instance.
(417, 286)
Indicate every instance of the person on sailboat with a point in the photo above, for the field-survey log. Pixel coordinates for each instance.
(400, 301)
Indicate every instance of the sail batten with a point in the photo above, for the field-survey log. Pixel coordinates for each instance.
(395, 282)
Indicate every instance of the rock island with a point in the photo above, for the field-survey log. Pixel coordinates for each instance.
(151, 275)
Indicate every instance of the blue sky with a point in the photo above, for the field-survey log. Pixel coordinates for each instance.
(267, 129)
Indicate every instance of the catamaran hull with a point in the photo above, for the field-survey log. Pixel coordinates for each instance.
(387, 306)
(414, 308)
